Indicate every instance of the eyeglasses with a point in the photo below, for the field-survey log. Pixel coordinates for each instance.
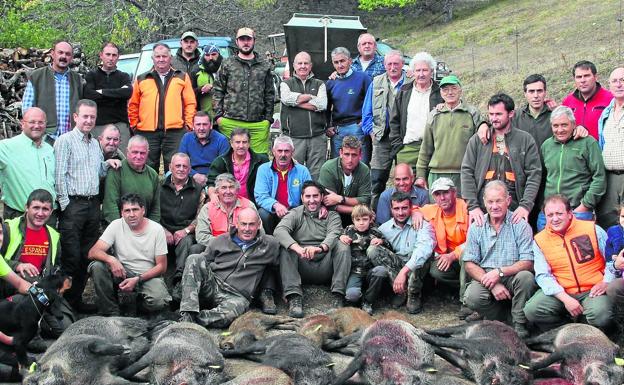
(617, 81)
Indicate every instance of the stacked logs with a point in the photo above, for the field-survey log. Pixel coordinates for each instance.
(15, 65)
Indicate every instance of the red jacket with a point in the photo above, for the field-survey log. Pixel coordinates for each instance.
(588, 112)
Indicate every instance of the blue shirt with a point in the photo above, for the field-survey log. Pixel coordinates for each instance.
(413, 246)
(345, 97)
(419, 197)
(202, 155)
(547, 281)
(63, 121)
(492, 250)
(375, 67)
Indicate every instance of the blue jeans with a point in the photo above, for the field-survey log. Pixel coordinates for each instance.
(352, 129)
(583, 216)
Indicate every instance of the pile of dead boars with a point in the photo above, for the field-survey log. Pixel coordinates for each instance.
(387, 350)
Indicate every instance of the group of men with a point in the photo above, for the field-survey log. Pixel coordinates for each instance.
(237, 224)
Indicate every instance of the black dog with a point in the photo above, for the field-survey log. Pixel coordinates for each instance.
(21, 316)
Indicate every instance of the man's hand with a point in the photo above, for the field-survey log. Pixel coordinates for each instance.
(26, 269)
(618, 261)
(400, 282)
(304, 98)
(116, 268)
(219, 120)
(169, 237)
(114, 163)
(376, 241)
(311, 251)
(206, 88)
(280, 209)
(301, 252)
(483, 132)
(347, 239)
(420, 182)
(330, 131)
(598, 289)
(580, 132)
(331, 199)
(5, 339)
(551, 103)
(200, 179)
(490, 279)
(476, 216)
(500, 292)
(519, 214)
(439, 106)
(417, 219)
(178, 236)
(573, 306)
(128, 284)
(333, 75)
(444, 261)
(582, 209)
(212, 195)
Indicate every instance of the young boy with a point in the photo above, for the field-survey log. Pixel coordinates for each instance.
(360, 235)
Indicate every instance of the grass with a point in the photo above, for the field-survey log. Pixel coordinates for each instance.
(480, 43)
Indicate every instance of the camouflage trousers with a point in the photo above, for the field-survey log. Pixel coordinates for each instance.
(201, 288)
(393, 263)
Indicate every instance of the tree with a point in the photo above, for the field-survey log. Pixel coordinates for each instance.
(434, 6)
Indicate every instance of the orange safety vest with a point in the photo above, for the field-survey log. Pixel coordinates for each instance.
(433, 214)
(578, 265)
(220, 221)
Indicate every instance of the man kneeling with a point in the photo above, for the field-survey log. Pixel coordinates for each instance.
(138, 263)
(223, 278)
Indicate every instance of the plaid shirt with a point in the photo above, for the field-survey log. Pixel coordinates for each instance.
(79, 166)
(63, 117)
(490, 250)
(375, 67)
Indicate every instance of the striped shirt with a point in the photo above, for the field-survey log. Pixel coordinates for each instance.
(375, 67)
(79, 166)
(63, 122)
(613, 150)
(490, 250)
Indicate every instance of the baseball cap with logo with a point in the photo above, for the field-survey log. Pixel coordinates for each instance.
(442, 184)
(245, 32)
(188, 34)
(449, 80)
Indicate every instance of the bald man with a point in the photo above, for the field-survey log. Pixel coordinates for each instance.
(304, 101)
(26, 164)
(404, 182)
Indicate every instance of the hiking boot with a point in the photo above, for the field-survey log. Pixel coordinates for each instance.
(464, 311)
(188, 316)
(521, 330)
(295, 306)
(367, 307)
(397, 300)
(85, 308)
(475, 316)
(337, 300)
(414, 304)
(267, 303)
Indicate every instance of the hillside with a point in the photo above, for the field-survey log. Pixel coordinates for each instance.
(480, 43)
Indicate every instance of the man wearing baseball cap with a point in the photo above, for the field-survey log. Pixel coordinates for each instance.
(202, 77)
(188, 54)
(244, 93)
(449, 219)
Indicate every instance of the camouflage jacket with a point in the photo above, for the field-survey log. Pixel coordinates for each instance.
(243, 90)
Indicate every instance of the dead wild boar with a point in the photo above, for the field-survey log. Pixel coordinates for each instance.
(350, 319)
(262, 375)
(319, 328)
(295, 354)
(487, 352)
(78, 360)
(391, 353)
(586, 354)
(183, 353)
(250, 327)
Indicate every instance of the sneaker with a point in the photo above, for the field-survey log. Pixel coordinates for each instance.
(187, 316)
(295, 306)
(267, 303)
(367, 307)
(464, 311)
(337, 300)
(414, 304)
(475, 316)
(521, 330)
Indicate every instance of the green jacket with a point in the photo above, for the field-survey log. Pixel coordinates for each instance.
(445, 139)
(16, 229)
(124, 181)
(299, 226)
(331, 177)
(575, 169)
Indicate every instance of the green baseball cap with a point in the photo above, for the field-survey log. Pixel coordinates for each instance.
(449, 80)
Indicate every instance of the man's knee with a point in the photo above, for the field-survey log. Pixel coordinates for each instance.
(353, 294)
(477, 296)
(525, 280)
(379, 271)
(615, 290)
(99, 270)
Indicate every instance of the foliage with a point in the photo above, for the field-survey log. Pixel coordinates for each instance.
(371, 5)
(18, 30)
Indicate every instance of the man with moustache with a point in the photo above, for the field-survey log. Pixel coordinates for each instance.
(244, 94)
(203, 78)
(26, 164)
(378, 103)
(368, 61)
(512, 158)
(304, 101)
(56, 90)
(188, 55)
(79, 166)
(278, 184)
(110, 89)
(134, 176)
(202, 146)
(216, 279)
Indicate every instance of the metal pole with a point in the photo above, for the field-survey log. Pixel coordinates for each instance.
(619, 20)
(517, 58)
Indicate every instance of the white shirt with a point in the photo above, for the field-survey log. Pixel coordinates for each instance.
(417, 112)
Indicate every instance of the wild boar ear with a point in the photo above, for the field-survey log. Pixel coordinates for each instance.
(225, 334)
(431, 370)
(215, 366)
(619, 361)
(523, 366)
(330, 364)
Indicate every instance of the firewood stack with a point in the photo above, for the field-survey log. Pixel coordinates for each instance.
(15, 65)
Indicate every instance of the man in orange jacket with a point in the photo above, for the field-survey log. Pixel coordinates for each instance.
(162, 107)
(570, 269)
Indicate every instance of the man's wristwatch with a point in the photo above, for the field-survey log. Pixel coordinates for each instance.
(141, 280)
(187, 231)
(343, 200)
(500, 272)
